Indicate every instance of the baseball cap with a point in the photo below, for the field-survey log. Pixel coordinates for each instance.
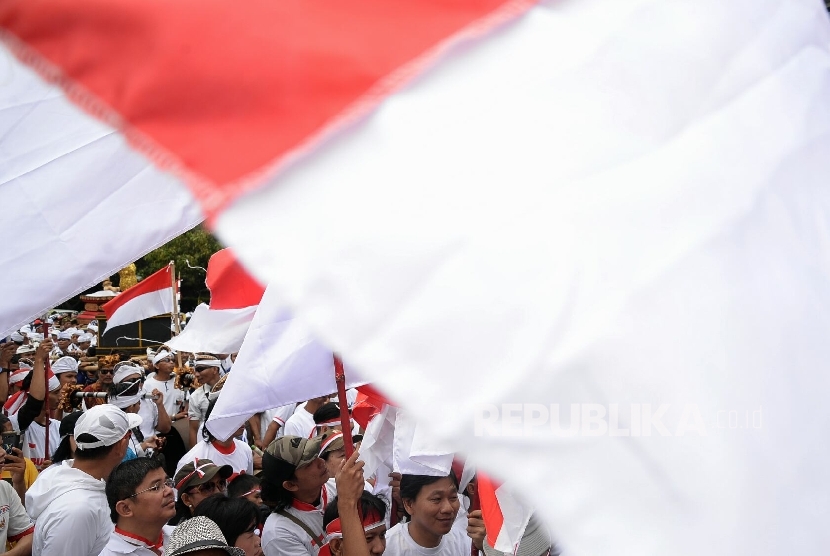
(196, 534)
(294, 450)
(106, 423)
(198, 472)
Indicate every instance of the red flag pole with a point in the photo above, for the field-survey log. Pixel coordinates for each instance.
(345, 420)
(475, 504)
(46, 368)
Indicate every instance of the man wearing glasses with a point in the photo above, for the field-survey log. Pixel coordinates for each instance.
(68, 501)
(206, 368)
(195, 481)
(106, 363)
(141, 501)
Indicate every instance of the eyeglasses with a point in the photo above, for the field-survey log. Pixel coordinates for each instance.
(164, 361)
(105, 371)
(208, 488)
(155, 488)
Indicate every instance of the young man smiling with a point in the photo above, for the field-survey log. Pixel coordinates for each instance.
(141, 501)
(293, 475)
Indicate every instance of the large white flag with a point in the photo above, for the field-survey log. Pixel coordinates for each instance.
(78, 204)
(583, 241)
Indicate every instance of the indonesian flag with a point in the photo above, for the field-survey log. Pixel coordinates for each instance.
(582, 241)
(150, 297)
(505, 516)
(234, 298)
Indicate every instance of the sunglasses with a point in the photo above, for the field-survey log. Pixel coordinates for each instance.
(209, 488)
(105, 371)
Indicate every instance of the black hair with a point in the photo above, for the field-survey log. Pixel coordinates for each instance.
(123, 356)
(368, 503)
(3, 421)
(27, 381)
(242, 484)
(327, 412)
(125, 479)
(234, 516)
(274, 472)
(206, 434)
(411, 485)
(125, 388)
(91, 454)
(182, 512)
(67, 429)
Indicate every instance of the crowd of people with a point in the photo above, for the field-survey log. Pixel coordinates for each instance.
(95, 460)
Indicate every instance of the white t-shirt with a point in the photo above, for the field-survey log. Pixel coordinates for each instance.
(283, 537)
(173, 397)
(122, 543)
(149, 413)
(280, 415)
(15, 523)
(399, 543)
(239, 457)
(300, 424)
(199, 403)
(34, 439)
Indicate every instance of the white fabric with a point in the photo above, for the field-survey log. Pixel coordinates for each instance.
(515, 514)
(279, 363)
(301, 424)
(214, 331)
(415, 453)
(399, 543)
(13, 517)
(149, 413)
(173, 397)
(603, 202)
(280, 415)
(62, 524)
(86, 189)
(241, 459)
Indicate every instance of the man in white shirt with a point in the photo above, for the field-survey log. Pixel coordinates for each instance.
(293, 475)
(141, 501)
(302, 422)
(206, 369)
(67, 501)
(175, 405)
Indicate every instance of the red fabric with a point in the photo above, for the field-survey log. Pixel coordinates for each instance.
(490, 509)
(369, 403)
(230, 285)
(218, 89)
(160, 280)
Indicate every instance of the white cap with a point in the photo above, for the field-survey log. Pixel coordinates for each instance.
(124, 369)
(22, 350)
(16, 337)
(92, 326)
(84, 338)
(162, 354)
(106, 423)
(65, 365)
(65, 335)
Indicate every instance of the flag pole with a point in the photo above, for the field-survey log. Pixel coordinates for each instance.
(176, 326)
(345, 420)
(475, 504)
(46, 368)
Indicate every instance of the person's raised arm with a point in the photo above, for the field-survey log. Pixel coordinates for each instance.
(37, 389)
(349, 490)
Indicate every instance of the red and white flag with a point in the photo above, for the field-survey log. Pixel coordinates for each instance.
(550, 204)
(505, 516)
(234, 298)
(151, 297)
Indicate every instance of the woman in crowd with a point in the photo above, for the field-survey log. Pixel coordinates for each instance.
(238, 519)
(195, 481)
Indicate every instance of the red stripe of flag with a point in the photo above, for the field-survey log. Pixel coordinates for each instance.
(490, 508)
(271, 75)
